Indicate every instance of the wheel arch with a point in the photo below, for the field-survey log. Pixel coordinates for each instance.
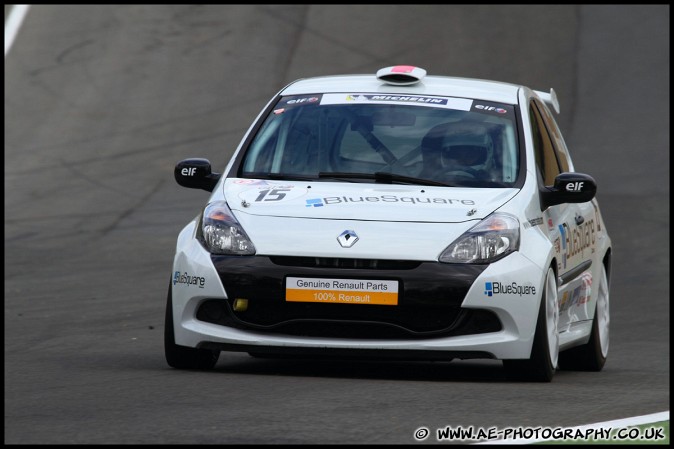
(606, 261)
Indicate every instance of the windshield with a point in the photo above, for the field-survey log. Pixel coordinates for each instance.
(386, 138)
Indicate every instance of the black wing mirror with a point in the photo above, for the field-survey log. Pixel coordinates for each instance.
(569, 188)
(196, 174)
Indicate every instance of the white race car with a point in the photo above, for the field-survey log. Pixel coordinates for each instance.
(395, 215)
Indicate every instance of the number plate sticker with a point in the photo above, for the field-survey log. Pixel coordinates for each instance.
(342, 291)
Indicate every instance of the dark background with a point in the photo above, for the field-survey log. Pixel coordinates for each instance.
(102, 101)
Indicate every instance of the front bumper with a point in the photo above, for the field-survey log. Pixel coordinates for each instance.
(429, 303)
(443, 310)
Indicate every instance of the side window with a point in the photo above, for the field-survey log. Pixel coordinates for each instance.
(546, 161)
(556, 135)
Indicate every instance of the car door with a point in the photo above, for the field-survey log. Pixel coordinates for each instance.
(571, 227)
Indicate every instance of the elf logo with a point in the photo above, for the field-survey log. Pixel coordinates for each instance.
(498, 288)
(575, 186)
(303, 100)
(490, 108)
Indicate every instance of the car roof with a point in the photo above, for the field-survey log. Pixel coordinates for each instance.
(429, 85)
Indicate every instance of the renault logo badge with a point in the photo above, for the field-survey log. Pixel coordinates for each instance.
(347, 238)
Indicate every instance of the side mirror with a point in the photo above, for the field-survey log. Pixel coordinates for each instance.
(196, 174)
(569, 188)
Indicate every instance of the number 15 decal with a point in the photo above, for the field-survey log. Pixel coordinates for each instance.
(272, 195)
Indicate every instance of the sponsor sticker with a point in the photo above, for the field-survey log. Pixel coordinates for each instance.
(460, 104)
(289, 102)
(272, 193)
(533, 222)
(576, 239)
(586, 291)
(499, 288)
(249, 181)
(491, 108)
(185, 278)
(330, 200)
(576, 295)
(564, 302)
(342, 291)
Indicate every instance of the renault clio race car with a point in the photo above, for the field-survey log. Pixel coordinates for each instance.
(395, 215)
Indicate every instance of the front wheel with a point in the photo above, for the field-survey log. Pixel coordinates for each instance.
(592, 355)
(182, 357)
(541, 366)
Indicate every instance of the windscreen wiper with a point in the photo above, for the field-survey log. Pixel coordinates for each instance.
(280, 176)
(384, 177)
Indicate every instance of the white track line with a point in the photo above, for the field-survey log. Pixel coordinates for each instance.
(618, 423)
(16, 16)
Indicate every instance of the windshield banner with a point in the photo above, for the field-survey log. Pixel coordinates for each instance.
(459, 104)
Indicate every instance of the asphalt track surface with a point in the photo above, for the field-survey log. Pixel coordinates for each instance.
(102, 101)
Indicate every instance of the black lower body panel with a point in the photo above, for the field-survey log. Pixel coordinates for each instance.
(430, 295)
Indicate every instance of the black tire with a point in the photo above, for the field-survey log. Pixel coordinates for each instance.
(590, 356)
(539, 367)
(182, 357)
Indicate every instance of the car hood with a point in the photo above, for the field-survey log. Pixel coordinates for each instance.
(363, 201)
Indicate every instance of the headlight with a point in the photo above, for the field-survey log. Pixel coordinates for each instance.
(221, 233)
(491, 239)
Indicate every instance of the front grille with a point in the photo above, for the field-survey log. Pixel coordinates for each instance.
(335, 262)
